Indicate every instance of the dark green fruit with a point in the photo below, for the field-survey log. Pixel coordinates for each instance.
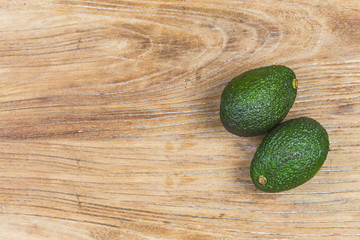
(257, 100)
(291, 154)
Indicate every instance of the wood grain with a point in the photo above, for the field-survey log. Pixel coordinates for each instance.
(109, 125)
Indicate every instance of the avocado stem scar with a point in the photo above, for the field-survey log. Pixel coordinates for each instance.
(262, 180)
(295, 83)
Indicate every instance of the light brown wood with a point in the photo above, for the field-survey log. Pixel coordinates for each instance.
(109, 118)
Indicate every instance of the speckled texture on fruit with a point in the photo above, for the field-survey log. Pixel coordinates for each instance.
(290, 155)
(257, 100)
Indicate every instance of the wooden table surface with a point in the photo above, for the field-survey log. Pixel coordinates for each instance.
(109, 117)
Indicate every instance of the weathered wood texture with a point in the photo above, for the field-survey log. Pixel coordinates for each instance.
(109, 125)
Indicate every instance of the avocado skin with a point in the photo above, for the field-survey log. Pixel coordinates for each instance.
(290, 155)
(257, 100)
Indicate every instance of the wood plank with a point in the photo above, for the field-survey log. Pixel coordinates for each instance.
(110, 129)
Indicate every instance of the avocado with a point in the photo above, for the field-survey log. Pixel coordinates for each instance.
(289, 155)
(257, 100)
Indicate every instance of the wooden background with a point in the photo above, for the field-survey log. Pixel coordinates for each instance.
(109, 118)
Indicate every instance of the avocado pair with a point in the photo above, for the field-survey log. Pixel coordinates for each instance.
(292, 152)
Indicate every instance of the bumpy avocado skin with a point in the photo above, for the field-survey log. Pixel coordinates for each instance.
(257, 100)
(290, 155)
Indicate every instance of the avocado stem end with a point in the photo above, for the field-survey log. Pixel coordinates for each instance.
(262, 180)
(295, 83)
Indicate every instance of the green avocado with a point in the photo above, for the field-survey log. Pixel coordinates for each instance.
(257, 100)
(289, 155)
